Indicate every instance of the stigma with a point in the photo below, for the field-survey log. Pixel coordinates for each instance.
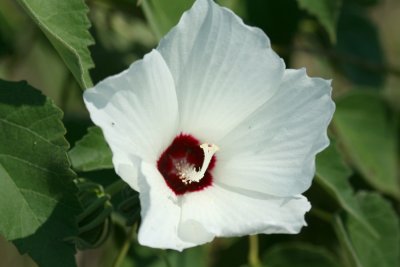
(186, 165)
(188, 173)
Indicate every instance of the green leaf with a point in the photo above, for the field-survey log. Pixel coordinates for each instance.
(327, 13)
(66, 26)
(299, 255)
(365, 249)
(91, 152)
(163, 15)
(38, 202)
(333, 173)
(368, 133)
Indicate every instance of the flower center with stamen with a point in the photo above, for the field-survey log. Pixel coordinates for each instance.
(186, 165)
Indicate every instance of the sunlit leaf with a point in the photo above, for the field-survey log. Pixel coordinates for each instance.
(326, 11)
(91, 152)
(365, 249)
(299, 255)
(367, 131)
(38, 204)
(163, 15)
(66, 26)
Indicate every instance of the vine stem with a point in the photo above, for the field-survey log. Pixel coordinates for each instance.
(125, 247)
(323, 215)
(115, 187)
(254, 260)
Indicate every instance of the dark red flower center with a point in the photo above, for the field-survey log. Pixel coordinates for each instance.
(182, 157)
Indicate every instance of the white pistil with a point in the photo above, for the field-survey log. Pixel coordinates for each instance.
(188, 172)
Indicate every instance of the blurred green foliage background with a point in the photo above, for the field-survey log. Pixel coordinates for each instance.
(355, 197)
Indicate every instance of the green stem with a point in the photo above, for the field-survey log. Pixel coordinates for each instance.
(98, 220)
(253, 258)
(125, 247)
(92, 207)
(115, 187)
(323, 215)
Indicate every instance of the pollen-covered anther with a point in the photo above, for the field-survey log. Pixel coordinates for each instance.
(188, 173)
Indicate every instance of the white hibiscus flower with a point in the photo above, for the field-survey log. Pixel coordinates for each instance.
(212, 130)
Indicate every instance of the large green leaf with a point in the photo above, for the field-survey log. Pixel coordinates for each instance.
(91, 152)
(326, 11)
(368, 133)
(366, 249)
(66, 26)
(333, 174)
(299, 255)
(163, 15)
(38, 204)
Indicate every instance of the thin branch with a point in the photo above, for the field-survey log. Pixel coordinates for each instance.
(253, 258)
(125, 248)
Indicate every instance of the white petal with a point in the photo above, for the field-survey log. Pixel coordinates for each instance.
(273, 151)
(226, 212)
(192, 231)
(138, 113)
(223, 69)
(127, 167)
(160, 212)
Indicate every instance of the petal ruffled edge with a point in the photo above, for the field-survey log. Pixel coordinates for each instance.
(225, 211)
(223, 69)
(273, 151)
